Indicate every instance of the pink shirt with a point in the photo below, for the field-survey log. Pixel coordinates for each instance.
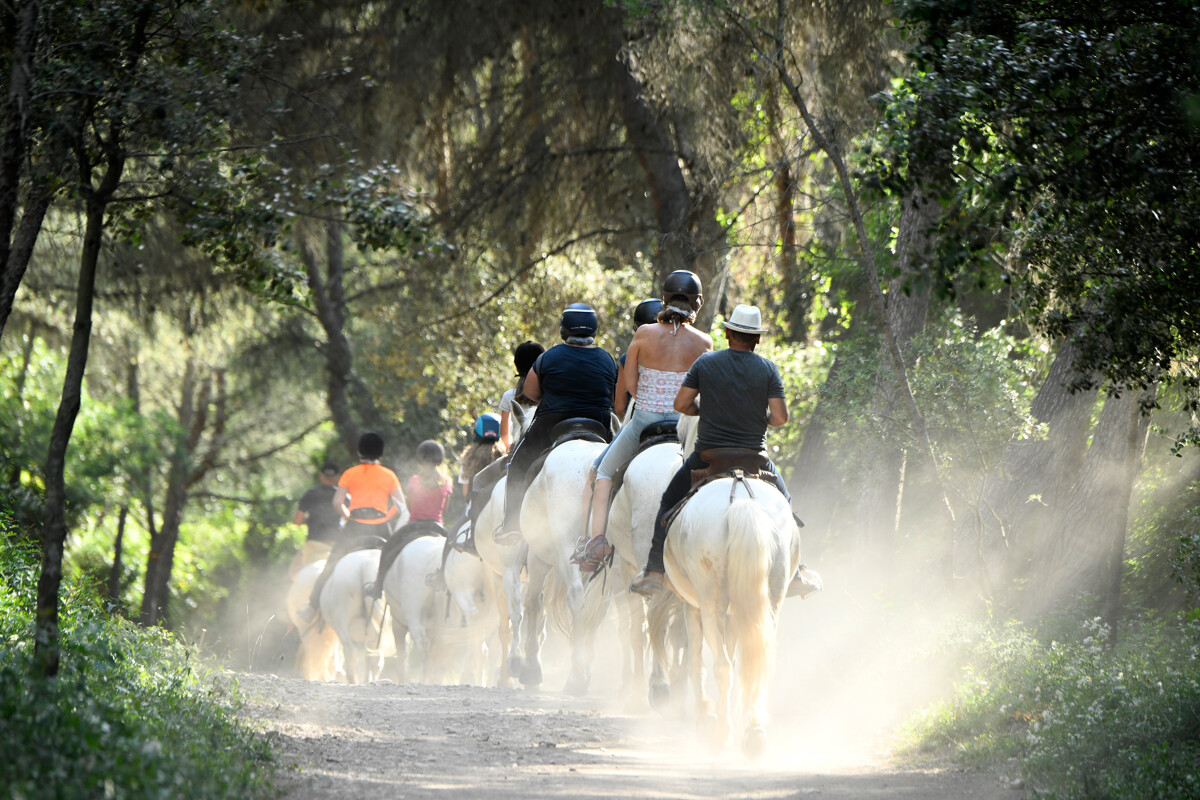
(425, 502)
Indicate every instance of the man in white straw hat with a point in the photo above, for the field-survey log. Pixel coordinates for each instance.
(743, 395)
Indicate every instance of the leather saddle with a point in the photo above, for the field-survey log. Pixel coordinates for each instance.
(725, 459)
(584, 428)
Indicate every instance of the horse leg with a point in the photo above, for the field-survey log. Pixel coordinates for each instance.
(532, 622)
(713, 621)
(512, 589)
(659, 628)
(586, 618)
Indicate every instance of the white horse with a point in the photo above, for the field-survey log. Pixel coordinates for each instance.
(320, 655)
(551, 521)
(729, 555)
(438, 621)
(355, 617)
(506, 563)
(630, 531)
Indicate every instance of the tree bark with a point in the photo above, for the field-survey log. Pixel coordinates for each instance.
(21, 249)
(114, 574)
(1082, 549)
(54, 529)
(349, 398)
(999, 540)
(15, 142)
(203, 410)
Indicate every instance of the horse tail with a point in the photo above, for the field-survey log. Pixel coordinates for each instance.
(751, 555)
(554, 601)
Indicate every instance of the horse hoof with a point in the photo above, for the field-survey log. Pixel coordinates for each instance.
(754, 743)
(576, 687)
(515, 665)
(531, 675)
(660, 696)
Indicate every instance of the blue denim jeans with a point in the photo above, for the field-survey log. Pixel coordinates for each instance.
(622, 449)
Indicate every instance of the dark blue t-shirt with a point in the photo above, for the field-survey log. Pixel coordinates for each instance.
(576, 380)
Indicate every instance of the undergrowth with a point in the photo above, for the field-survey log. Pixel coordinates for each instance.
(130, 714)
(1083, 717)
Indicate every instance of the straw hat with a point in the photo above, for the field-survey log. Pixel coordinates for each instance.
(745, 319)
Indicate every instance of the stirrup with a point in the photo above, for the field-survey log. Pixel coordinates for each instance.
(435, 580)
(648, 584)
(597, 552)
(804, 583)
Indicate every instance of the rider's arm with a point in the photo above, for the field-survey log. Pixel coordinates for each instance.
(685, 401)
(299, 517)
(339, 501)
(620, 396)
(533, 388)
(505, 427)
(777, 412)
(628, 379)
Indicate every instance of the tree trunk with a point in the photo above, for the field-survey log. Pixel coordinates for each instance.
(114, 574)
(999, 540)
(879, 490)
(15, 140)
(349, 398)
(54, 530)
(162, 543)
(1082, 548)
(21, 250)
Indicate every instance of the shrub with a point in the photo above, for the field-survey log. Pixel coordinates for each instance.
(1084, 717)
(130, 715)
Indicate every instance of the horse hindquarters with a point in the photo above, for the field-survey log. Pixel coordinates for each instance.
(755, 566)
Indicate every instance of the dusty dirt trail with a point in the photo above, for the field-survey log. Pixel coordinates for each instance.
(852, 666)
(394, 741)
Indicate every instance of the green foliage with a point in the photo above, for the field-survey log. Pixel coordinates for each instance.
(131, 714)
(1085, 717)
(1063, 130)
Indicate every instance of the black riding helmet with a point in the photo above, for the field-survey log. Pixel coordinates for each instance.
(683, 283)
(646, 312)
(579, 319)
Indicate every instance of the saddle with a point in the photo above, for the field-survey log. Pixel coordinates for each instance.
(569, 430)
(652, 435)
(726, 459)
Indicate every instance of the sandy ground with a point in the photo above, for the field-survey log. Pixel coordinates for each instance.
(851, 669)
(394, 741)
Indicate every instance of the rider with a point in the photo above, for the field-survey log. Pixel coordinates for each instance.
(573, 379)
(315, 510)
(656, 363)
(428, 490)
(485, 448)
(644, 313)
(368, 497)
(734, 382)
(524, 355)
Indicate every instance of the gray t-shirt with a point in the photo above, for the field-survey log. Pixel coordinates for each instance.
(734, 387)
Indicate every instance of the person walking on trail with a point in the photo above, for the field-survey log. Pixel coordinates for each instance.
(572, 379)
(315, 510)
(428, 490)
(742, 396)
(514, 403)
(657, 361)
(369, 500)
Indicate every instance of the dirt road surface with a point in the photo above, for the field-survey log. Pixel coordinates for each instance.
(403, 742)
(852, 667)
